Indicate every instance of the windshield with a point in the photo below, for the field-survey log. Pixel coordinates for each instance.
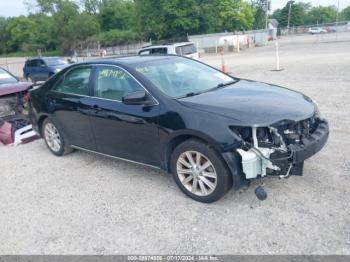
(6, 78)
(179, 77)
(55, 61)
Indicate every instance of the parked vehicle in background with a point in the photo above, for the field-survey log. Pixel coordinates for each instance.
(330, 29)
(317, 30)
(186, 49)
(210, 130)
(41, 68)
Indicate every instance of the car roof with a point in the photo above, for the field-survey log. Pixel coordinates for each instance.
(132, 60)
(166, 45)
(43, 57)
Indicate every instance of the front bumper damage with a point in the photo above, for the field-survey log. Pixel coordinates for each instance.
(15, 127)
(285, 154)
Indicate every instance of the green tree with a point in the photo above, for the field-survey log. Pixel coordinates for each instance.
(260, 14)
(91, 7)
(3, 36)
(116, 14)
(321, 15)
(345, 14)
(297, 17)
(165, 19)
(277, 14)
(19, 31)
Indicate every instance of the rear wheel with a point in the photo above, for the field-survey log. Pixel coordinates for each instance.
(199, 171)
(54, 139)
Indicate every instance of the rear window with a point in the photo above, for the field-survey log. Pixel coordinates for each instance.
(154, 51)
(55, 61)
(186, 49)
(145, 52)
(6, 78)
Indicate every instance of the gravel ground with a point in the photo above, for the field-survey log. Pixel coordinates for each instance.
(87, 204)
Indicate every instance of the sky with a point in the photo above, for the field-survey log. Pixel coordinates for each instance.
(17, 7)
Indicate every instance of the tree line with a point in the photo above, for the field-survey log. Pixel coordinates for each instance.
(303, 13)
(67, 24)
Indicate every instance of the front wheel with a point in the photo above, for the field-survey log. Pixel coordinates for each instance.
(199, 171)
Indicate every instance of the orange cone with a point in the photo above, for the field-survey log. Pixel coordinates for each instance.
(223, 65)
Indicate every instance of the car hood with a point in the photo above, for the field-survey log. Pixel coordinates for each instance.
(7, 89)
(251, 103)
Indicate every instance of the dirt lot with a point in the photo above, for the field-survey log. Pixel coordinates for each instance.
(86, 204)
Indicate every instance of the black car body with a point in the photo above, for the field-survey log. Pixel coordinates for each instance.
(240, 129)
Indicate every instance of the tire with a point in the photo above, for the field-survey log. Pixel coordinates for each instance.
(216, 187)
(54, 138)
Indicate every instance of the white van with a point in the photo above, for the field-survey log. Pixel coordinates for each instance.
(187, 49)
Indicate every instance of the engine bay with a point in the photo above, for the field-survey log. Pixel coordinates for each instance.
(272, 150)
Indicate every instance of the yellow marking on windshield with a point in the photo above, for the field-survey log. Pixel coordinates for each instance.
(110, 73)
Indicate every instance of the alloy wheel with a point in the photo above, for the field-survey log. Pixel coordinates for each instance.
(196, 173)
(52, 137)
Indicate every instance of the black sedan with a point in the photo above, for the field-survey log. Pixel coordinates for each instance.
(210, 130)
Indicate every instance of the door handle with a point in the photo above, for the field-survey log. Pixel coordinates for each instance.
(96, 108)
(51, 101)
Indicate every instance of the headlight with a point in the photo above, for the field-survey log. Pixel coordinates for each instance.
(317, 111)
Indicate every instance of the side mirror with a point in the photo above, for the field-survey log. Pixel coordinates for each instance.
(135, 98)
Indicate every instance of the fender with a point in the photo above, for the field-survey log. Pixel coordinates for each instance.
(172, 140)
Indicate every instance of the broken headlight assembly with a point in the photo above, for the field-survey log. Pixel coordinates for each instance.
(264, 152)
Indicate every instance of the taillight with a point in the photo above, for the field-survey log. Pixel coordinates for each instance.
(26, 97)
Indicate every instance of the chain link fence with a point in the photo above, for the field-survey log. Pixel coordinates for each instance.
(336, 27)
(95, 50)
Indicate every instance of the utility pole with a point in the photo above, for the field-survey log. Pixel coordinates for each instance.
(267, 9)
(337, 20)
(290, 13)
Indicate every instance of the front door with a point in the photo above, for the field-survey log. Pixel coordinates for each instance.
(121, 130)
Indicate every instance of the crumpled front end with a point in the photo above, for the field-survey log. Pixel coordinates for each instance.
(281, 148)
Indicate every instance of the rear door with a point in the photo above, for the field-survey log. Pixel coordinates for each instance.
(69, 103)
(121, 130)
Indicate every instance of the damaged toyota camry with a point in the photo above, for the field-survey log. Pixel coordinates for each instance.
(213, 132)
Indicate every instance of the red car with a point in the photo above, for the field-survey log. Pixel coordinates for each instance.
(14, 96)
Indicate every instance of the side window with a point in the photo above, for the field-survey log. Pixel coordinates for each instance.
(36, 63)
(162, 51)
(145, 52)
(75, 81)
(40, 63)
(114, 83)
(30, 63)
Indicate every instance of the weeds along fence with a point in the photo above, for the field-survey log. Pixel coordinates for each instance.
(95, 50)
(231, 41)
